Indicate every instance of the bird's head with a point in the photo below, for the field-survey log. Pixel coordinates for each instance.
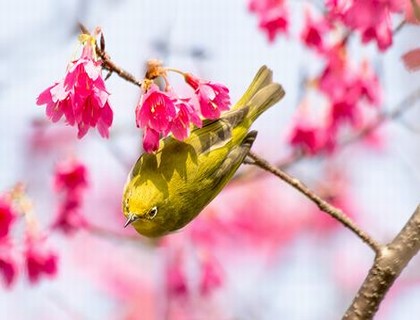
(143, 207)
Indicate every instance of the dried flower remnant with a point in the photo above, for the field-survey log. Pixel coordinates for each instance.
(81, 96)
(412, 11)
(411, 59)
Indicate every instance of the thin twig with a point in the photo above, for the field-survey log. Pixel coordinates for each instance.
(398, 111)
(390, 261)
(321, 203)
(109, 65)
(399, 27)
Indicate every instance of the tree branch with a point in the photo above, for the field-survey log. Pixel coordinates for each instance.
(388, 265)
(321, 203)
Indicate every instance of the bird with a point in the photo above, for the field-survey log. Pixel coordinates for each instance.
(167, 189)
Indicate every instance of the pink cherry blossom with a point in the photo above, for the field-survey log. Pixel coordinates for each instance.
(211, 275)
(69, 217)
(186, 114)
(58, 103)
(45, 139)
(362, 86)
(336, 76)
(39, 260)
(371, 18)
(381, 32)
(261, 5)
(70, 175)
(314, 31)
(176, 281)
(306, 136)
(81, 96)
(150, 139)
(368, 81)
(156, 110)
(274, 21)
(345, 109)
(212, 97)
(346, 87)
(160, 113)
(70, 182)
(273, 16)
(7, 216)
(8, 265)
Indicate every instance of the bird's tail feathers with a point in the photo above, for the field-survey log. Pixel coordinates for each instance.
(264, 99)
(263, 77)
(260, 95)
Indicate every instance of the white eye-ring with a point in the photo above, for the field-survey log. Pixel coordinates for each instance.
(152, 213)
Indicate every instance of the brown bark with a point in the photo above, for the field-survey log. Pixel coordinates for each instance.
(389, 263)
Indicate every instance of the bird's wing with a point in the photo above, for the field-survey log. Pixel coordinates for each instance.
(235, 157)
(213, 135)
(208, 185)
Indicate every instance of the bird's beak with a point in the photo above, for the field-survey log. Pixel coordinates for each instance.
(131, 218)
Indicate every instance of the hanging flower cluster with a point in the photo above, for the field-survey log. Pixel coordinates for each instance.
(160, 112)
(81, 97)
(346, 87)
(70, 181)
(371, 18)
(37, 260)
(347, 90)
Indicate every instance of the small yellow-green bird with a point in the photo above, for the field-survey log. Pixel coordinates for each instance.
(168, 189)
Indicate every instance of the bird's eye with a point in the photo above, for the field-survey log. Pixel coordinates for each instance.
(152, 213)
